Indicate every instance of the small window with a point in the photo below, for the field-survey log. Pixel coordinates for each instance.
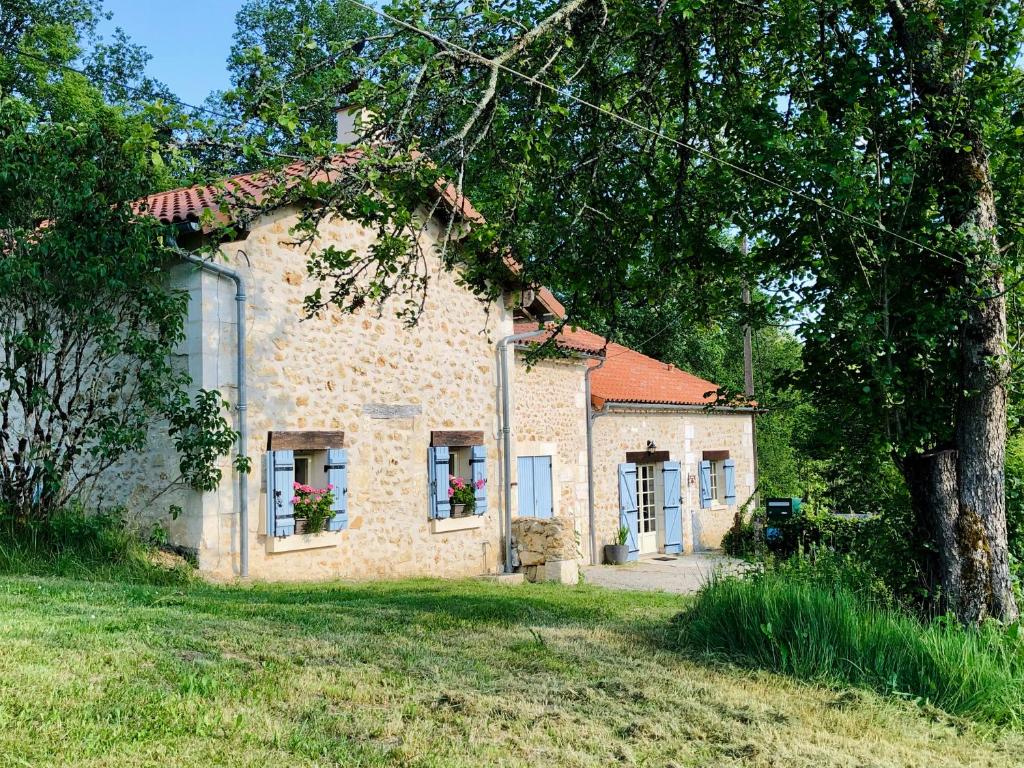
(302, 464)
(715, 469)
(460, 469)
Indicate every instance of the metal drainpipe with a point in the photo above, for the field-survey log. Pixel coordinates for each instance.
(242, 405)
(592, 415)
(506, 434)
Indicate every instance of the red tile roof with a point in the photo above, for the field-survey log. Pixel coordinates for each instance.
(177, 206)
(189, 203)
(630, 377)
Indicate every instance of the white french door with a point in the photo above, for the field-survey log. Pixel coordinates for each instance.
(647, 504)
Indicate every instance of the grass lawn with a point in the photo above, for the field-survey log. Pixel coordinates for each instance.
(416, 673)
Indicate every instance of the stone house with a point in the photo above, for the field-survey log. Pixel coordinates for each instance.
(666, 463)
(380, 412)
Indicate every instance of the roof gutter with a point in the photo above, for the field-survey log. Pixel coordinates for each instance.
(592, 416)
(242, 405)
(620, 405)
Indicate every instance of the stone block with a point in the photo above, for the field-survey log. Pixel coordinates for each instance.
(562, 571)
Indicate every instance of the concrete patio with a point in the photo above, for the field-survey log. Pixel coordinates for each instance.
(682, 574)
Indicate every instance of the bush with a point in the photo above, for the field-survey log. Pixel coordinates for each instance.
(74, 543)
(831, 633)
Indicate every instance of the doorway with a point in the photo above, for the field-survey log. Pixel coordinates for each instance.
(647, 497)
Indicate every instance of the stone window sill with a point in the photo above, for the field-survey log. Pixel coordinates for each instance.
(299, 542)
(450, 524)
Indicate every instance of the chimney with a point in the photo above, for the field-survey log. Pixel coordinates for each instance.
(353, 122)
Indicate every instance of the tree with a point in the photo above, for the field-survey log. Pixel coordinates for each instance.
(606, 144)
(88, 323)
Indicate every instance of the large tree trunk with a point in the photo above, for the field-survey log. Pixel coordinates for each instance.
(981, 412)
(968, 205)
(958, 566)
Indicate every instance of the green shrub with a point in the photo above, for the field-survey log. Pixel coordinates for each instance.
(829, 633)
(78, 544)
(740, 540)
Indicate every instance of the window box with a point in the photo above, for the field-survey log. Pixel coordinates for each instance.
(300, 541)
(451, 524)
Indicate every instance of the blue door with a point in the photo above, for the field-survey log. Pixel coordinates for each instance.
(535, 487)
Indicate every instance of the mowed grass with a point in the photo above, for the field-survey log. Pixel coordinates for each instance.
(417, 673)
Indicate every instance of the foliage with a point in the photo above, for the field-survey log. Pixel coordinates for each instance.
(88, 323)
(313, 505)
(829, 633)
(74, 543)
(741, 539)
(462, 492)
(623, 535)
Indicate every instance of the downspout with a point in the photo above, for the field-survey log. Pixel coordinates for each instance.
(242, 405)
(592, 416)
(506, 434)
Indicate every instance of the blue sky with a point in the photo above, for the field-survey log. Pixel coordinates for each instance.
(188, 39)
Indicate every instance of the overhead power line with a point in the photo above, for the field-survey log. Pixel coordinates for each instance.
(548, 87)
(492, 63)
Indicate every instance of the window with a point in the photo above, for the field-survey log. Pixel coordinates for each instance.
(302, 463)
(457, 455)
(535, 487)
(305, 458)
(715, 469)
(645, 497)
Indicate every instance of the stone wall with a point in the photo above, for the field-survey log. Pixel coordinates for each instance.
(543, 546)
(335, 372)
(550, 419)
(685, 435)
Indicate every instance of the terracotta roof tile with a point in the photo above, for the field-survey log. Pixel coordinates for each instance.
(630, 377)
(189, 203)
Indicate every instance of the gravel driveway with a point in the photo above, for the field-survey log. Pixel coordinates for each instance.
(684, 574)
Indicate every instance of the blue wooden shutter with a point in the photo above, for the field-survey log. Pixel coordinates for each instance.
(478, 467)
(628, 509)
(705, 485)
(337, 475)
(729, 470)
(280, 492)
(437, 470)
(543, 498)
(673, 509)
(524, 482)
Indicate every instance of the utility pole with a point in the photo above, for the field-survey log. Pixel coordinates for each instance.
(748, 390)
(748, 347)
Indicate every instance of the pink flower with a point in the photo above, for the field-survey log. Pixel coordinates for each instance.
(295, 500)
(450, 478)
(480, 483)
(451, 492)
(296, 485)
(330, 487)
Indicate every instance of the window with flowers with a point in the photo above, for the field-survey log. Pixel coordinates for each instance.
(457, 475)
(307, 487)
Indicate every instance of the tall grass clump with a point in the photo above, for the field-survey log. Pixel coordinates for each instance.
(74, 543)
(833, 635)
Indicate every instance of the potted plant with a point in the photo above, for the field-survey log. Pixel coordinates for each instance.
(462, 495)
(312, 507)
(618, 554)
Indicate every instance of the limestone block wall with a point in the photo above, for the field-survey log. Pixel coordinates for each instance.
(334, 372)
(549, 418)
(146, 483)
(686, 435)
